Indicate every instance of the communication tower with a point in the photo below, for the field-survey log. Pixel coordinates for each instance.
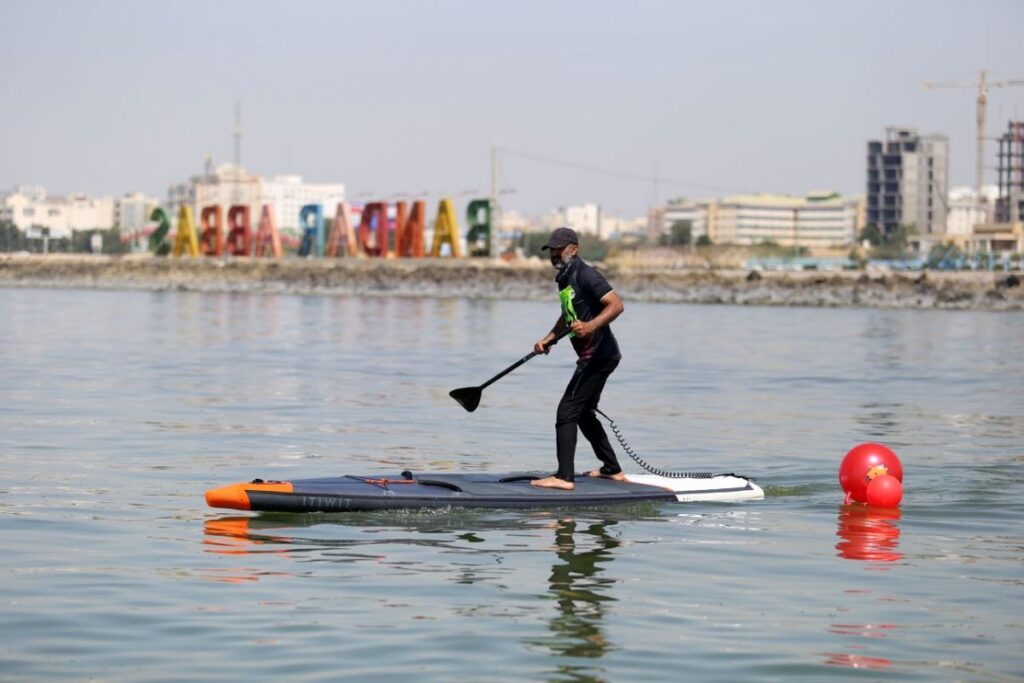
(237, 134)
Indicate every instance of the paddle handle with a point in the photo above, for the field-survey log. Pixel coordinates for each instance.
(519, 362)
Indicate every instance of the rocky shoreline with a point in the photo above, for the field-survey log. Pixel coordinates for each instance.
(487, 279)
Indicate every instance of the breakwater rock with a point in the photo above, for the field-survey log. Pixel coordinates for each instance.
(487, 279)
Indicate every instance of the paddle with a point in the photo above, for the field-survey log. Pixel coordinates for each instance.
(469, 397)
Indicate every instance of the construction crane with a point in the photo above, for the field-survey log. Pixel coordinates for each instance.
(982, 84)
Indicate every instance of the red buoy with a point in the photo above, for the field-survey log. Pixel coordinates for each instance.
(864, 463)
(885, 491)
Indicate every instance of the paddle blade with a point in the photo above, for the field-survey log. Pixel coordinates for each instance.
(468, 397)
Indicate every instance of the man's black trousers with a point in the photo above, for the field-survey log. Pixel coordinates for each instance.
(576, 409)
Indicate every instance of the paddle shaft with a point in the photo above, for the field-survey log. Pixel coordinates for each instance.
(507, 370)
(517, 364)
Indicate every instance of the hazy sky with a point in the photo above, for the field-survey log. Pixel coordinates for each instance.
(389, 97)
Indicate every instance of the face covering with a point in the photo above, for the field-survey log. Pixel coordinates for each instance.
(565, 269)
(560, 265)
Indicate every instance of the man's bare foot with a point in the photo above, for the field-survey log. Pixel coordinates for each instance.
(618, 476)
(553, 483)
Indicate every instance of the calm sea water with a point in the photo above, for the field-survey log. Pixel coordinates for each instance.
(118, 409)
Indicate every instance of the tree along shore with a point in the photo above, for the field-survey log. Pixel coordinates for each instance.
(494, 279)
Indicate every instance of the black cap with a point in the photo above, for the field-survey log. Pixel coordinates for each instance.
(560, 238)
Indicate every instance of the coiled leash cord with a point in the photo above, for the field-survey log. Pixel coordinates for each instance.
(643, 463)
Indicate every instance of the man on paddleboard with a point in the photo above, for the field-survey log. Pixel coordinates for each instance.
(589, 305)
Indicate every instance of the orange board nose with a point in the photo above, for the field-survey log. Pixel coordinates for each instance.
(236, 496)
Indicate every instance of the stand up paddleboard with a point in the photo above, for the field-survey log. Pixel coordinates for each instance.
(425, 491)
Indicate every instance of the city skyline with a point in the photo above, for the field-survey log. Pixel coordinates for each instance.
(115, 98)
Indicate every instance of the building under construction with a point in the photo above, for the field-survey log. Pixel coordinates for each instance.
(1010, 203)
(908, 181)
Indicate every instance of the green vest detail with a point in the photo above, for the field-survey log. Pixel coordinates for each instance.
(568, 311)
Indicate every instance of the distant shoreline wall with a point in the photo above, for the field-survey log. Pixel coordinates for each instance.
(487, 279)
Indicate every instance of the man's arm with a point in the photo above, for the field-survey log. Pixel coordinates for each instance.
(613, 308)
(544, 344)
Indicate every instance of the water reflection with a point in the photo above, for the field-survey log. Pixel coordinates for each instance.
(581, 595)
(857, 661)
(868, 533)
(231, 536)
(577, 584)
(871, 534)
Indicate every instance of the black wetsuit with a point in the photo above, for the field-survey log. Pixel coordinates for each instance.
(580, 290)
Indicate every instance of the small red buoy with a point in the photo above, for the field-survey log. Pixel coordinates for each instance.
(885, 491)
(864, 463)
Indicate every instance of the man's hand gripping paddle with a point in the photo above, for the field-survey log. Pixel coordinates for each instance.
(469, 397)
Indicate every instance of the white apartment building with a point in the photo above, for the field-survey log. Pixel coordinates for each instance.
(512, 221)
(27, 213)
(229, 185)
(288, 194)
(616, 226)
(30, 208)
(225, 184)
(700, 214)
(817, 220)
(132, 211)
(964, 211)
(90, 213)
(585, 219)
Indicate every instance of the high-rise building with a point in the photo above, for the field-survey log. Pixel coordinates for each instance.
(908, 180)
(1010, 203)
